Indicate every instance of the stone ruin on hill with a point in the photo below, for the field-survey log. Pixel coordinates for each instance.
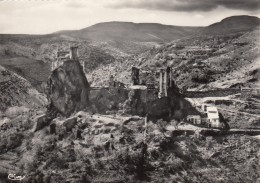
(69, 92)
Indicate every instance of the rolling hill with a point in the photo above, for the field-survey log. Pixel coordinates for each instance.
(200, 61)
(124, 44)
(89, 147)
(128, 31)
(232, 24)
(128, 37)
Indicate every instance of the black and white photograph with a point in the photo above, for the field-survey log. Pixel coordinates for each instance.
(129, 91)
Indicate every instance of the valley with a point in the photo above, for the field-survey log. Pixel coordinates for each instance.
(132, 102)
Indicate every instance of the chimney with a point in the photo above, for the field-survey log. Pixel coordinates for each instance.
(74, 53)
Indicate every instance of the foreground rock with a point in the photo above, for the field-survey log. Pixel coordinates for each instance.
(40, 122)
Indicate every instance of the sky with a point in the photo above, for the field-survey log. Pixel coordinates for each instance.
(48, 16)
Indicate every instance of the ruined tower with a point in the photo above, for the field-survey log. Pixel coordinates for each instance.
(63, 56)
(73, 52)
(161, 91)
(165, 81)
(135, 76)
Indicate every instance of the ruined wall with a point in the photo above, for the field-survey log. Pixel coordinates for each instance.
(68, 88)
(170, 107)
(146, 102)
(142, 102)
(250, 92)
(135, 76)
(211, 93)
(107, 99)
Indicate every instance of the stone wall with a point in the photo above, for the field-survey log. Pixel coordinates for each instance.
(142, 102)
(146, 102)
(211, 93)
(107, 99)
(250, 92)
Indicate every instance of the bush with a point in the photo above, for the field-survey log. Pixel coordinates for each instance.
(161, 125)
(56, 162)
(133, 163)
(14, 140)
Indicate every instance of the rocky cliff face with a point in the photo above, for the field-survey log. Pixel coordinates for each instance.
(69, 88)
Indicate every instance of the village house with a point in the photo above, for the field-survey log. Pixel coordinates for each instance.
(195, 119)
(213, 116)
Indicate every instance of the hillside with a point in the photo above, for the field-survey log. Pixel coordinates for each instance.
(131, 38)
(17, 92)
(116, 134)
(135, 32)
(199, 62)
(31, 56)
(120, 45)
(114, 149)
(208, 58)
(232, 24)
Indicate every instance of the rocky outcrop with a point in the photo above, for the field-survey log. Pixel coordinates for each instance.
(40, 122)
(68, 88)
(70, 123)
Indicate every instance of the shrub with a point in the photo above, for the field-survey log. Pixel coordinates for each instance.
(161, 125)
(14, 140)
(56, 162)
(3, 143)
(133, 162)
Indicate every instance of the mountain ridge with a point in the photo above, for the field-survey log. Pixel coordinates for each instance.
(100, 52)
(233, 24)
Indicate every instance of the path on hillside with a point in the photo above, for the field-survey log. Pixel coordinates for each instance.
(114, 118)
(190, 127)
(232, 111)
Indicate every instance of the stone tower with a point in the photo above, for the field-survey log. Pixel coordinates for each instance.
(63, 56)
(73, 52)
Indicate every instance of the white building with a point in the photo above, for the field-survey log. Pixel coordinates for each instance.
(213, 116)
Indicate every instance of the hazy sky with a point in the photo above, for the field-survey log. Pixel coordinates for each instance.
(47, 16)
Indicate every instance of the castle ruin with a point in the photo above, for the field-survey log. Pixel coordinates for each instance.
(63, 56)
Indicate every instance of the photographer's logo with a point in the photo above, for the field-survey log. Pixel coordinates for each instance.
(15, 177)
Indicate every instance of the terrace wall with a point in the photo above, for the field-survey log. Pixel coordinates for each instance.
(211, 93)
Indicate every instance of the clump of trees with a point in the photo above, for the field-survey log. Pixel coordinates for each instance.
(10, 141)
(202, 75)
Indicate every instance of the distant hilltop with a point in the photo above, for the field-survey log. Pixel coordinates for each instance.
(144, 32)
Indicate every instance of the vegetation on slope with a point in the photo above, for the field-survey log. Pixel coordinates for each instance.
(199, 62)
(117, 151)
(16, 91)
